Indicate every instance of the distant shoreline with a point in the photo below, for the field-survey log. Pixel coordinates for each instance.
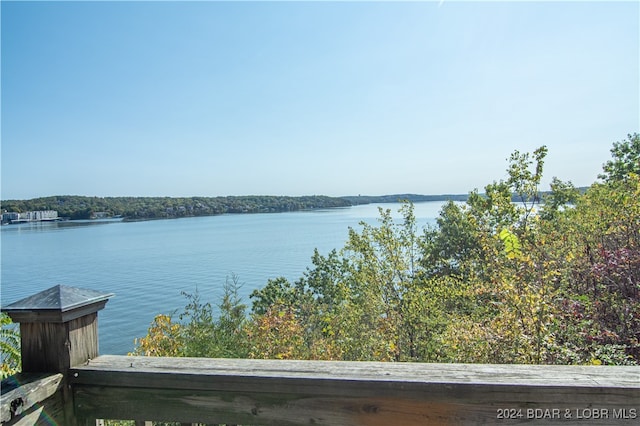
(395, 198)
(133, 209)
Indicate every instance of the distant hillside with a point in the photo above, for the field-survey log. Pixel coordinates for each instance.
(395, 198)
(417, 198)
(140, 208)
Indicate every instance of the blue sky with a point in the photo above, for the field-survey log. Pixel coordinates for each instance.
(300, 98)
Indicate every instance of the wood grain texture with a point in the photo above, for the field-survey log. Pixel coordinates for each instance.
(54, 347)
(31, 398)
(274, 392)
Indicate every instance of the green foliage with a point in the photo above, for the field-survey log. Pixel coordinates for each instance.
(603, 284)
(512, 247)
(562, 194)
(625, 161)
(164, 338)
(9, 346)
(199, 332)
(366, 302)
(523, 180)
(230, 334)
(450, 246)
(509, 279)
(493, 281)
(278, 291)
(277, 334)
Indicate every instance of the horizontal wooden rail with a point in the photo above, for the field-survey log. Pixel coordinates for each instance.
(274, 392)
(31, 399)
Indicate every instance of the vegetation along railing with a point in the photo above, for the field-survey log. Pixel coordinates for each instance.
(65, 382)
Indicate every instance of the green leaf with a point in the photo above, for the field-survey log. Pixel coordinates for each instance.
(511, 242)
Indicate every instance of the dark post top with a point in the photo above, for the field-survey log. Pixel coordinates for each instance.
(58, 327)
(58, 304)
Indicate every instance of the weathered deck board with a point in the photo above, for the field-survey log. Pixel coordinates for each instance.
(347, 393)
(31, 399)
(490, 374)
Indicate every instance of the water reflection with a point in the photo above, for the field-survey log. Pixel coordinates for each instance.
(55, 226)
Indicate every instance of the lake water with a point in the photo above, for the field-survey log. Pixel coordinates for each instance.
(148, 264)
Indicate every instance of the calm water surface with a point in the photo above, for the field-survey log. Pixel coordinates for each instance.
(148, 264)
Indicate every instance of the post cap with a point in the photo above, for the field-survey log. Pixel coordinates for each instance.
(58, 304)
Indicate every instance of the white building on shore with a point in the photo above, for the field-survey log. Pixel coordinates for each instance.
(32, 216)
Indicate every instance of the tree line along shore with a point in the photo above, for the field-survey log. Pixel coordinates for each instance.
(77, 207)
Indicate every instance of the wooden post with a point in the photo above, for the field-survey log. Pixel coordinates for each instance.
(58, 330)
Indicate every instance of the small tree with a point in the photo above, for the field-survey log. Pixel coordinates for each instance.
(626, 159)
(199, 332)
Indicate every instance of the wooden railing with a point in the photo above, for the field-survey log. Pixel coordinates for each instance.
(31, 398)
(276, 392)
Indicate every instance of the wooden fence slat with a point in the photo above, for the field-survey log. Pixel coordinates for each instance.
(199, 372)
(28, 392)
(347, 393)
(29, 389)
